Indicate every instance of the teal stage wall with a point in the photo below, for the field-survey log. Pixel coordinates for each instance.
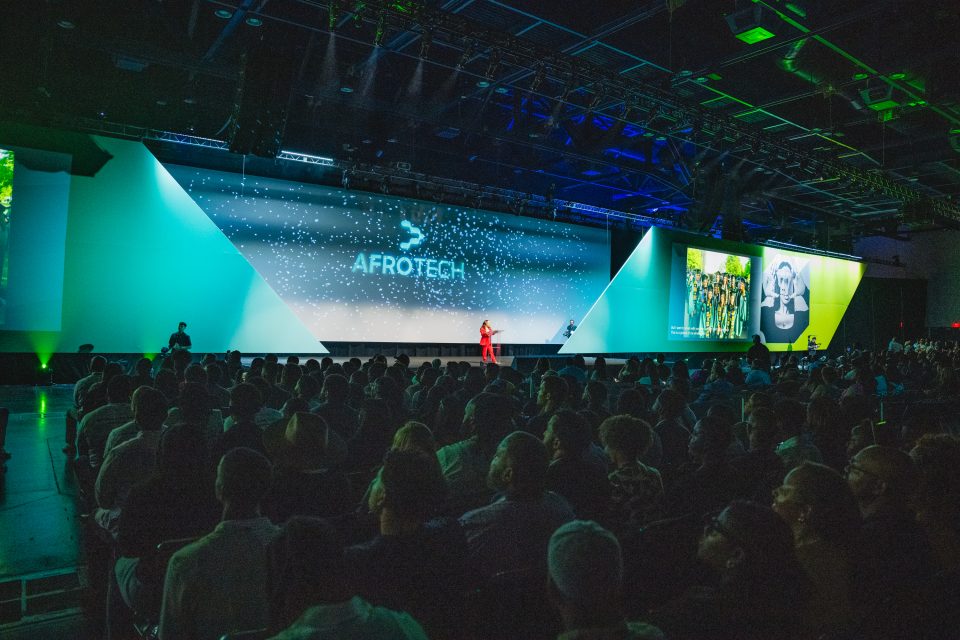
(140, 256)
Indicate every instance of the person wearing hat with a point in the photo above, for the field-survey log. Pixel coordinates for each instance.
(307, 456)
(585, 579)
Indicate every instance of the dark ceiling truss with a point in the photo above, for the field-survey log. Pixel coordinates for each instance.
(571, 114)
(582, 59)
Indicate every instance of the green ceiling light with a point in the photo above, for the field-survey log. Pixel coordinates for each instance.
(404, 6)
(752, 24)
(755, 35)
(900, 75)
(883, 105)
(797, 9)
(860, 76)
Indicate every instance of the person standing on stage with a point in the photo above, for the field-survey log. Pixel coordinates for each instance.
(180, 341)
(486, 344)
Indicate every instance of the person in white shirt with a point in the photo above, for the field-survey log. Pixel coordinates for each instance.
(894, 346)
(132, 461)
(218, 584)
(96, 426)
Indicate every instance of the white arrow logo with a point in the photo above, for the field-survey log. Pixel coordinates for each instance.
(416, 236)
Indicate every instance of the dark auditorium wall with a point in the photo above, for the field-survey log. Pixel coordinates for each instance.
(877, 310)
(931, 256)
(622, 244)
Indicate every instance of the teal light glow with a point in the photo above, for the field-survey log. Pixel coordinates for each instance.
(166, 263)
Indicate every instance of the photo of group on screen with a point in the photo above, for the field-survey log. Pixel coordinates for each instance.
(785, 306)
(717, 303)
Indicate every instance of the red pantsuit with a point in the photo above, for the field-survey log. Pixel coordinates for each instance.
(486, 343)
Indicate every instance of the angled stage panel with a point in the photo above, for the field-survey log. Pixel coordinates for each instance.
(140, 256)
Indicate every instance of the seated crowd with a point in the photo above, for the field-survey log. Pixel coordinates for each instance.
(376, 500)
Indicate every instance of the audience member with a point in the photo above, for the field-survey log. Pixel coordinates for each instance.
(314, 592)
(586, 575)
(573, 472)
(551, 398)
(760, 467)
(512, 533)
(822, 512)
(636, 489)
(797, 446)
(760, 591)
(937, 502)
(334, 407)
(670, 429)
(486, 420)
(132, 461)
(709, 481)
(176, 501)
(417, 564)
(307, 457)
(95, 427)
(245, 403)
(97, 364)
(895, 549)
(218, 584)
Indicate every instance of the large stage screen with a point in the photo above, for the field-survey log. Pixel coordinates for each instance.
(374, 268)
(711, 295)
(678, 292)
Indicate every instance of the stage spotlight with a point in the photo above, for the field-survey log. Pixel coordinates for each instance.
(334, 15)
(752, 24)
(381, 29)
(538, 76)
(358, 10)
(492, 67)
(425, 41)
(467, 55)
